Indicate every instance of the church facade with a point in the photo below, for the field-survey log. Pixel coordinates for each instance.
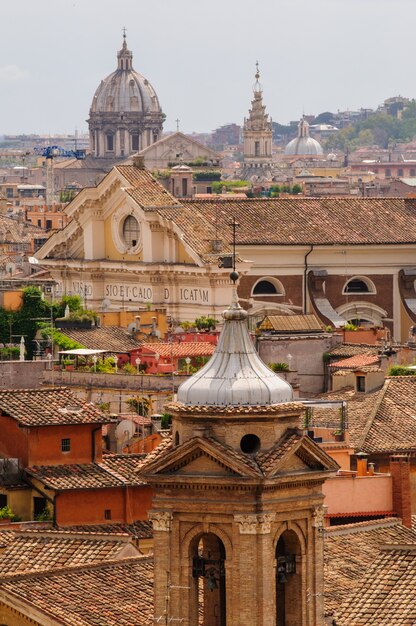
(129, 244)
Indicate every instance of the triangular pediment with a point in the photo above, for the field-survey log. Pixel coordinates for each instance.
(202, 457)
(201, 464)
(296, 454)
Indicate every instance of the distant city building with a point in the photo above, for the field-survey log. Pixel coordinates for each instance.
(227, 135)
(125, 114)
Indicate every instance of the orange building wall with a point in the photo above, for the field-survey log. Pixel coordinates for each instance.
(42, 446)
(45, 444)
(88, 506)
(14, 441)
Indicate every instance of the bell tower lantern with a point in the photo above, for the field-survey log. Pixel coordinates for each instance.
(237, 510)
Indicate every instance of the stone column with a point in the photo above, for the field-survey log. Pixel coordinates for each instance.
(162, 525)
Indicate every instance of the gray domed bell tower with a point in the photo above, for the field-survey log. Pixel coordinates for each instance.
(125, 114)
(237, 509)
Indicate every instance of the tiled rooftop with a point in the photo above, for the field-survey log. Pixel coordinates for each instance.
(109, 338)
(113, 471)
(300, 220)
(137, 530)
(145, 189)
(356, 361)
(348, 553)
(34, 550)
(291, 323)
(47, 407)
(116, 593)
(387, 593)
(179, 350)
(346, 350)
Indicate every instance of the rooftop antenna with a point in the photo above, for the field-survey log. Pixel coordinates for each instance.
(177, 124)
(234, 225)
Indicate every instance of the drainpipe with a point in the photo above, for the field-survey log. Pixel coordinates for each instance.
(305, 271)
(93, 446)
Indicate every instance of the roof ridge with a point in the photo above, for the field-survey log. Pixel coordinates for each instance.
(373, 414)
(78, 568)
(356, 527)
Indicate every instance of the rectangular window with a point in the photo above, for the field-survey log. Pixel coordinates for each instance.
(110, 143)
(107, 514)
(257, 148)
(48, 224)
(65, 445)
(3, 500)
(39, 505)
(135, 142)
(412, 172)
(360, 383)
(388, 173)
(400, 171)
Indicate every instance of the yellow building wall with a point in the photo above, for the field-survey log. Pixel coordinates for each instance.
(20, 501)
(12, 617)
(111, 251)
(183, 256)
(124, 318)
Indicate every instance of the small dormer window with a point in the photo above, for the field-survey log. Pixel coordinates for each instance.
(360, 383)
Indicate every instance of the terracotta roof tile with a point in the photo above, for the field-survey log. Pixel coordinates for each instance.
(111, 472)
(179, 350)
(109, 338)
(116, 593)
(348, 553)
(141, 529)
(292, 221)
(291, 323)
(46, 407)
(33, 550)
(387, 594)
(145, 189)
(356, 361)
(346, 350)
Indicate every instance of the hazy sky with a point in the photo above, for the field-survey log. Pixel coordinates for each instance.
(199, 55)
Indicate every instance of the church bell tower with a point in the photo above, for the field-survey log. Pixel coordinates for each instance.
(237, 509)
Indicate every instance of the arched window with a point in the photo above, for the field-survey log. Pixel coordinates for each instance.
(131, 231)
(267, 287)
(288, 580)
(208, 605)
(359, 284)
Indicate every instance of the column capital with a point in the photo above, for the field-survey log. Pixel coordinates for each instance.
(318, 516)
(161, 520)
(254, 524)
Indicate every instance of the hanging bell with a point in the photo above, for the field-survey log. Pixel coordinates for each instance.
(281, 577)
(211, 582)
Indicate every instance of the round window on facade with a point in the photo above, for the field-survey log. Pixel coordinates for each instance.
(250, 444)
(131, 231)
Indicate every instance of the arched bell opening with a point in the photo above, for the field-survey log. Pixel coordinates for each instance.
(208, 593)
(288, 580)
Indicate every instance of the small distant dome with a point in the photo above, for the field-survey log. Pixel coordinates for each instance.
(303, 145)
(235, 375)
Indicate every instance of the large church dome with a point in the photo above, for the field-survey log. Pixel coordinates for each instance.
(125, 89)
(125, 114)
(303, 145)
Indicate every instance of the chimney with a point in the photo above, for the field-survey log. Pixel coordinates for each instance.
(138, 161)
(137, 318)
(400, 473)
(362, 459)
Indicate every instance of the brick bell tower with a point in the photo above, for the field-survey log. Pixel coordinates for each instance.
(237, 510)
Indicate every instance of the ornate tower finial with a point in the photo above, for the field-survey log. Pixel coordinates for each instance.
(257, 87)
(124, 35)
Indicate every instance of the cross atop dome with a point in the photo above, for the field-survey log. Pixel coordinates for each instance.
(257, 88)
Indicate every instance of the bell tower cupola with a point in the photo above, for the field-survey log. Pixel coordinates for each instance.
(237, 510)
